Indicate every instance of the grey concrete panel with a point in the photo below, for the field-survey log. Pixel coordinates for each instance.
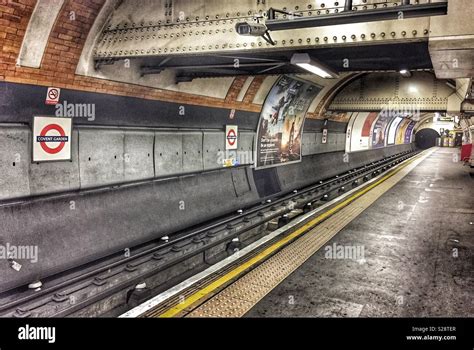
(320, 147)
(341, 142)
(332, 139)
(319, 137)
(341, 139)
(246, 141)
(168, 153)
(213, 149)
(101, 157)
(62, 176)
(15, 158)
(329, 146)
(305, 144)
(240, 181)
(340, 147)
(192, 151)
(309, 143)
(314, 144)
(138, 155)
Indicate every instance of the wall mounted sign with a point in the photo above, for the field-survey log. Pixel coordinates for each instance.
(231, 135)
(324, 138)
(52, 96)
(51, 139)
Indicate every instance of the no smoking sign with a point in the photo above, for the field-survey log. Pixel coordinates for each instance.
(52, 96)
(51, 139)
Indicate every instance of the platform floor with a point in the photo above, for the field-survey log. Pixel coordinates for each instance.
(417, 258)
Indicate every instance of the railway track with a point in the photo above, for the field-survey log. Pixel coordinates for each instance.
(114, 284)
(236, 284)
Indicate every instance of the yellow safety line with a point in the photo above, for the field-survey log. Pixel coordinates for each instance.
(193, 298)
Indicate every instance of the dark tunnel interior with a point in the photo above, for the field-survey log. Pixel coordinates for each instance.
(426, 138)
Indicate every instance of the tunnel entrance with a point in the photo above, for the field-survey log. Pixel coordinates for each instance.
(426, 138)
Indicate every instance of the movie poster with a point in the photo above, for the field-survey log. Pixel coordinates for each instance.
(281, 122)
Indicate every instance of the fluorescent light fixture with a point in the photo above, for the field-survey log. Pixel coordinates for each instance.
(451, 85)
(405, 73)
(304, 61)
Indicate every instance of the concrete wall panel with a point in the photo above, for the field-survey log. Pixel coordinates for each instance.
(240, 181)
(52, 177)
(309, 143)
(101, 157)
(15, 158)
(246, 144)
(168, 153)
(138, 155)
(213, 149)
(192, 151)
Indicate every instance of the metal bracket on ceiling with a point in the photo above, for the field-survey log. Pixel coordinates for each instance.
(271, 13)
(98, 63)
(256, 66)
(347, 16)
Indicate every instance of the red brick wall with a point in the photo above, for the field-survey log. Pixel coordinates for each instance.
(235, 88)
(64, 49)
(253, 88)
(14, 17)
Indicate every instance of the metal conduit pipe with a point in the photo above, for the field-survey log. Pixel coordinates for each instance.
(348, 5)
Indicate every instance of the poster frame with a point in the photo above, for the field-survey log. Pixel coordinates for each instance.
(257, 140)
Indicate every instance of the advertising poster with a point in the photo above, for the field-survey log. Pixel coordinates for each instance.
(392, 131)
(401, 131)
(409, 132)
(379, 130)
(368, 124)
(281, 122)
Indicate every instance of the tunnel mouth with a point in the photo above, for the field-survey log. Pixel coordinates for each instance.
(426, 138)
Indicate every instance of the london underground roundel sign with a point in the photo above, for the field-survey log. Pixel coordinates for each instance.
(51, 139)
(231, 137)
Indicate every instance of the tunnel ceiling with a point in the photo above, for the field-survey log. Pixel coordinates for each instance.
(191, 34)
(387, 57)
(376, 91)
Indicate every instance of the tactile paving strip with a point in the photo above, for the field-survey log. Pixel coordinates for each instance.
(239, 297)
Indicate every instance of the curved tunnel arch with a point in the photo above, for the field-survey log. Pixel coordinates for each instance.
(426, 138)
